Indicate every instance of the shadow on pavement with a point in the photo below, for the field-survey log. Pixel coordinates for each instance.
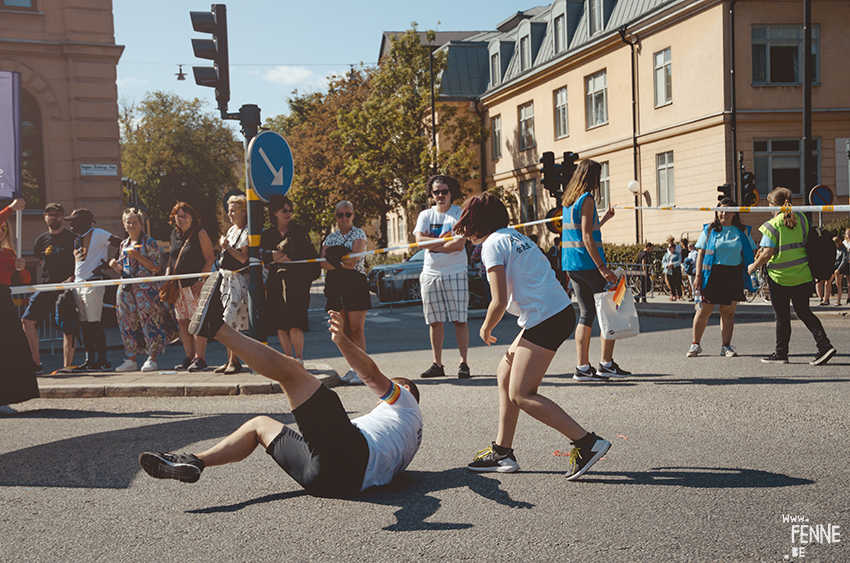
(698, 478)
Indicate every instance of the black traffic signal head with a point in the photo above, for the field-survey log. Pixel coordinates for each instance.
(215, 49)
(552, 175)
(749, 193)
(725, 192)
(570, 159)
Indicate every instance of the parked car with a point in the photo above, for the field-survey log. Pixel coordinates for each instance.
(399, 283)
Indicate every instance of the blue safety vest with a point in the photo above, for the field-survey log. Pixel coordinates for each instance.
(708, 257)
(574, 256)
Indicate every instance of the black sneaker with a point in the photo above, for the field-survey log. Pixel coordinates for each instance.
(88, 365)
(434, 371)
(774, 359)
(487, 461)
(823, 357)
(588, 375)
(463, 371)
(198, 364)
(209, 315)
(184, 365)
(102, 364)
(582, 458)
(613, 371)
(181, 467)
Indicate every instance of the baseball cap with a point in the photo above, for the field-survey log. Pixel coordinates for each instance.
(54, 207)
(81, 213)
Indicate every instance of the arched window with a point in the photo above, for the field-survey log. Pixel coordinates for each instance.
(32, 149)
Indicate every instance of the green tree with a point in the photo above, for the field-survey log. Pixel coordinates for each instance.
(176, 151)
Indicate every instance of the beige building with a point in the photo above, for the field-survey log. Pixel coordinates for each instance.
(710, 79)
(66, 54)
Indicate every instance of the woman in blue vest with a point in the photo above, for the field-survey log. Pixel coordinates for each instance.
(584, 259)
(724, 250)
(783, 249)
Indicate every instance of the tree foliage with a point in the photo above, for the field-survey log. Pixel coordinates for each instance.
(176, 151)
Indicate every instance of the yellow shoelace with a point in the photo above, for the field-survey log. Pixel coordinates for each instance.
(483, 453)
(575, 455)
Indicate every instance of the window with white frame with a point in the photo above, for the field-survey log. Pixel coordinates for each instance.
(496, 125)
(663, 78)
(778, 54)
(778, 162)
(596, 15)
(562, 123)
(495, 69)
(604, 187)
(526, 126)
(597, 99)
(401, 234)
(525, 52)
(528, 200)
(560, 33)
(666, 185)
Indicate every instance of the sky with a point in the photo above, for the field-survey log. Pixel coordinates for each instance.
(276, 46)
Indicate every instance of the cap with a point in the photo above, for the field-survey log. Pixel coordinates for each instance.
(54, 207)
(81, 213)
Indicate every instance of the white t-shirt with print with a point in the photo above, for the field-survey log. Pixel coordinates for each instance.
(432, 223)
(347, 240)
(534, 293)
(97, 252)
(394, 433)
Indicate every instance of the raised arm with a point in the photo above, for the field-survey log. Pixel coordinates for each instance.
(366, 369)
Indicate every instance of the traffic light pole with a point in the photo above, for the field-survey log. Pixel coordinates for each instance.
(249, 118)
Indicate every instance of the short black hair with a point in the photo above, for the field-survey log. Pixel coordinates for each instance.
(454, 185)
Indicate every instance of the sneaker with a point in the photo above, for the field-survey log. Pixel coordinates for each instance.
(208, 316)
(463, 371)
(487, 460)
(695, 350)
(198, 364)
(233, 369)
(774, 359)
(582, 458)
(588, 375)
(355, 379)
(434, 371)
(613, 371)
(6, 410)
(181, 467)
(823, 357)
(102, 364)
(149, 365)
(88, 365)
(728, 351)
(128, 365)
(184, 365)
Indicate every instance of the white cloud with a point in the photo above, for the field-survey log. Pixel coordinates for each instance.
(293, 77)
(130, 82)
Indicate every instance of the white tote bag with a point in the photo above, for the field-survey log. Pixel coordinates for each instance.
(615, 323)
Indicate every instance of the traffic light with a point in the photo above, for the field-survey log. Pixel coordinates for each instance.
(570, 159)
(749, 193)
(725, 191)
(215, 49)
(552, 175)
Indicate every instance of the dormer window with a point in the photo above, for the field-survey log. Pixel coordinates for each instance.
(525, 52)
(595, 11)
(495, 69)
(560, 29)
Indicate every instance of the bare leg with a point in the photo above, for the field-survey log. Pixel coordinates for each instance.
(607, 350)
(186, 338)
(68, 349)
(32, 339)
(354, 327)
(296, 335)
(240, 444)
(200, 346)
(583, 344)
(508, 411)
(727, 322)
(701, 321)
(462, 335)
(839, 281)
(285, 341)
(436, 331)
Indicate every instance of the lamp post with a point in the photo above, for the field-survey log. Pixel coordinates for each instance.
(634, 187)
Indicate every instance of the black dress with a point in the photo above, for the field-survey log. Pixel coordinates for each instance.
(17, 370)
(288, 287)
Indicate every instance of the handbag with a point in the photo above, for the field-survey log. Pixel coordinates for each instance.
(169, 292)
(615, 321)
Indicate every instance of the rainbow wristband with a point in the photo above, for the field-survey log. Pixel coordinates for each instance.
(393, 394)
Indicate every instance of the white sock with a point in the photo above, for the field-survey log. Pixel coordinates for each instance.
(585, 367)
(608, 364)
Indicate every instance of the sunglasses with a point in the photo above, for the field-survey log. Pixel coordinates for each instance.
(286, 210)
(440, 192)
(347, 215)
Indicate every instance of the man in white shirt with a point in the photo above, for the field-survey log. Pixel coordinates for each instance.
(444, 281)
(333, 456)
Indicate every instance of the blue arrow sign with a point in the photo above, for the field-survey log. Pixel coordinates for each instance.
(270, 165)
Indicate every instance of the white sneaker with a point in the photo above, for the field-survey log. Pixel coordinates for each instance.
(728, 351)
(149, 365)
(7, 410)
(128, 365)
(695, 350)
(351, 378)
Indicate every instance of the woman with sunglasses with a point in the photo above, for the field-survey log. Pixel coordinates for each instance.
(345, 286)
(288, 286)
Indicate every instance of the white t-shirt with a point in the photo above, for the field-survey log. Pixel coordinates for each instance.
(238, 238)
(432, 223)
(534, 293)
(393, 431)
(97, 252)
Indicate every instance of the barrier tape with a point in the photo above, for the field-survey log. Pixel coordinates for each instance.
(17, 290)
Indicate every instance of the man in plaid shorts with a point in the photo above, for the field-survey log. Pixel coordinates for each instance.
(444, 280)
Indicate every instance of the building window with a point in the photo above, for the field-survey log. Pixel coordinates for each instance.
(604, 188)
(526, 126)
(597, 99)
(666, 185)
(496, 124)
(401, 234)
(778, 54)
(528, 200)
(525, 53)
(560, 33)
(495, 69)
(20, 4)
(596, 15)
(32, 152)
(663, 78)
(562, 123)
(778, 162)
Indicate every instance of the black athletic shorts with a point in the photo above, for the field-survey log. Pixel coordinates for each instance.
(347, 289)
(552, 332)
(330, 456)
(42, 305)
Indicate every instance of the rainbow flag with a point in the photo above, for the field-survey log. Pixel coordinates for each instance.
(620, 292)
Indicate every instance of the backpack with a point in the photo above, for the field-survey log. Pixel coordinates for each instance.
(820, 250)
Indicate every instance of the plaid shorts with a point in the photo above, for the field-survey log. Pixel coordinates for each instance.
(445, 298)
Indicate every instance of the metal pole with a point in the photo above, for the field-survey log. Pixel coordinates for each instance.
(809, 164)
(249, 118)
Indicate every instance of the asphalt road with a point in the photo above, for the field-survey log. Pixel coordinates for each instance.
(709, 454)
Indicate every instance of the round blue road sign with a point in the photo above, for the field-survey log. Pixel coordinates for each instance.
(821, 195)
(270, 165)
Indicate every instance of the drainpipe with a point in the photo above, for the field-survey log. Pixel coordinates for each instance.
(483, 145)
(736, 170)
(631, 45)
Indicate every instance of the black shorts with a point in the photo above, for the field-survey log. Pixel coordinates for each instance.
(330, 456)
(42, 305)
(585, 284)
(347, 289)
(725, 285)
(552, 332)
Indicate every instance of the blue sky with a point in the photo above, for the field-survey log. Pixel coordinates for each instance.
(276, 46)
